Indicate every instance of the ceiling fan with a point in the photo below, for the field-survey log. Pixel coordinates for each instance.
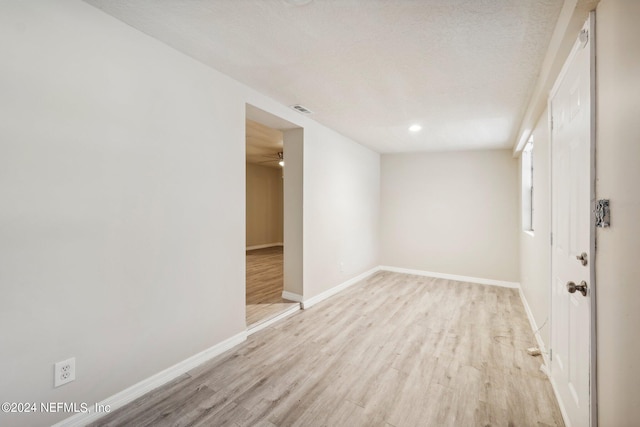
(275, 157)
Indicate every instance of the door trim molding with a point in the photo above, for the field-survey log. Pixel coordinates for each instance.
(593, 376)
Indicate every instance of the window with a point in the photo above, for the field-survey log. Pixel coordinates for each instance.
(527, 186)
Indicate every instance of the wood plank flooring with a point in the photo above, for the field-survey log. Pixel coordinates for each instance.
(265, 285)
(393, 350)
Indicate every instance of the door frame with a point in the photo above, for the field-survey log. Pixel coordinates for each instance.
(590, 25)
(292, 215)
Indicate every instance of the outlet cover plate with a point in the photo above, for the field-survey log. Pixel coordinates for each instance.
(64, 372)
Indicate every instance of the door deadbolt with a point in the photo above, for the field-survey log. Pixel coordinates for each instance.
(582, 288)
(582, 258)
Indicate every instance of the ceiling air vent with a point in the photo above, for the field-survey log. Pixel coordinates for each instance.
(300, 109)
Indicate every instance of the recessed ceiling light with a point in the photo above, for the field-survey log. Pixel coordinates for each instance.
(415, 128)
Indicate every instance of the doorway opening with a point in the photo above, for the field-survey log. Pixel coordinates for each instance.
(266, 218)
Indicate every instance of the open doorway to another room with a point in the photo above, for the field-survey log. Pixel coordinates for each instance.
(264, 224)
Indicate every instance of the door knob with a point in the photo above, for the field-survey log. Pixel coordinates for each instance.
(582, 258)
(582, 288)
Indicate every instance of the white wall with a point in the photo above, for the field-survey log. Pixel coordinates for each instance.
(122, 203)
(264, 205)
(118, 232)
(341, 210)
(618, 179)
(453, 213)
(535, 265)
(293, 140)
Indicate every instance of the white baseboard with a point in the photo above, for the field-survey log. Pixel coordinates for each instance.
(478, 280)
(128, 395)
(267, 323)
(291, 296)
(546, 363)
(266, 245)
(534, 328)
(342, 286)
(563, 410)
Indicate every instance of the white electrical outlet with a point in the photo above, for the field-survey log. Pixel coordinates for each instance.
(64, 372)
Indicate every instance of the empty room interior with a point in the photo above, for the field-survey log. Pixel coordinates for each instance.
(319, 213)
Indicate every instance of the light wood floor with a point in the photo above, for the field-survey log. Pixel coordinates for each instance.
(393, 350)
(265, 285)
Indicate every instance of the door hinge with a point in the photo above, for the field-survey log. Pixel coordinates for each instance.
(584, 37)
(551, 238)
(551, 123)
(602, 213)
(550, 354)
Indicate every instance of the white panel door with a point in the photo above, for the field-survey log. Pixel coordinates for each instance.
(571, 192)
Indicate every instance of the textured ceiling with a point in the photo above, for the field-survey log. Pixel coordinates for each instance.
(463, 69)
